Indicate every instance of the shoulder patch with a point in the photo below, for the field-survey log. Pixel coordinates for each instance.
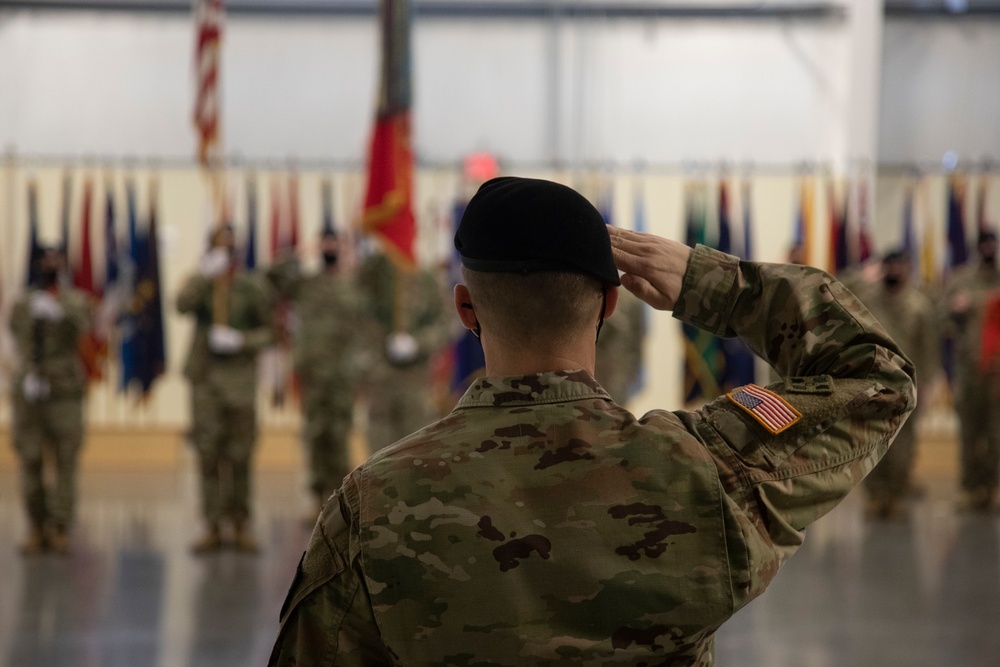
(815, 384)
(770, 410)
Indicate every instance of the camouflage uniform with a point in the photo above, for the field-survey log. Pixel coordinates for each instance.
(911, 320)
(54, 424)
(224, 391)
(977, 394)
(619, 348)
(401, 301)
(330, 312)
(541, 523)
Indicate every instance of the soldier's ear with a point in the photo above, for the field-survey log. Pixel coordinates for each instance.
(463, 306)
(611, 301)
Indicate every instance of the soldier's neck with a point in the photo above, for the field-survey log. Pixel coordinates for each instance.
(513, 360)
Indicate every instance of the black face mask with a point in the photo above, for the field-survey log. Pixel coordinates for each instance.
(892, 281)
(329, 259)
(48, 277)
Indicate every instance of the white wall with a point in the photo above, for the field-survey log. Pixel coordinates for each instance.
(940, 90)
(665, 91)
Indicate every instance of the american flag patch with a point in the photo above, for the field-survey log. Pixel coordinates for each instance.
(772, 411)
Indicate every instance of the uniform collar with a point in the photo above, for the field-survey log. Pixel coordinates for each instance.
(550, 387)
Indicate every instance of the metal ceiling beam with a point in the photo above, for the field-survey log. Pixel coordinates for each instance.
(459, 9)
(939, 9)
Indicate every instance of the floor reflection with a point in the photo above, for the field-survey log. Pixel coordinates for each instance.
(921, 592)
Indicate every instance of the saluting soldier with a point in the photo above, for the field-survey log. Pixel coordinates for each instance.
(542, 523)
(48, 323)
(232, 314)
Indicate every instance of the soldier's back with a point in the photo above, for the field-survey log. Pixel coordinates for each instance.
(555, 528)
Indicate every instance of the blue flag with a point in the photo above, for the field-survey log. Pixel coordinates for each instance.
(958, 251)
(250, 261)
(737, 359)
(128, 322)
(328, 226)
(110, 242)
(31, 274)
(150, 349)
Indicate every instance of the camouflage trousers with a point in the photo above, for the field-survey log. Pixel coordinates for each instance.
(328, 406)
(399, 405)
(977, 402)
(890, 479)
(48, 430)
(223, 432)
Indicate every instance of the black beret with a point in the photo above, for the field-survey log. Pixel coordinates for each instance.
(521, 225)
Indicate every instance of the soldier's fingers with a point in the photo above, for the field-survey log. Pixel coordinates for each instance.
(628, 241)
(630, 262)
(645, 291)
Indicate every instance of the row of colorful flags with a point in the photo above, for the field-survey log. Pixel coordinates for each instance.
(713, 366)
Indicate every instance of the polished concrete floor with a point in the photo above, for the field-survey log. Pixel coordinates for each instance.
(923, 591)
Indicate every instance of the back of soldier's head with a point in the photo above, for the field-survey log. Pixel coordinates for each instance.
(536, 257)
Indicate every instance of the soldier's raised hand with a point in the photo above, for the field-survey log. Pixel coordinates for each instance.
(653, 267)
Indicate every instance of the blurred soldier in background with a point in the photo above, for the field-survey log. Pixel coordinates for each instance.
(408, 313)
(619, 348)
(977, 392)
(48, 323)
(328, 359)
(911, 320)
(232, 324)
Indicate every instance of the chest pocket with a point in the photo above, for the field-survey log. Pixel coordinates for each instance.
(819, 407)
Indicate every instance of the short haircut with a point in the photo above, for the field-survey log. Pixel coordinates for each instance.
(546, 308)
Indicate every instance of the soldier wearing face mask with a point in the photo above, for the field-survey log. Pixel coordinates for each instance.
(977, 390)
(48, 323)
(232, 325)
(329, 312)
(909, 317)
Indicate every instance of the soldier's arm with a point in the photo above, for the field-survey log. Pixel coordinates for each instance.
(195, 296)
(791, 460)
(327, 617)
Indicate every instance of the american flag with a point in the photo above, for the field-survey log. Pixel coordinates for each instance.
(208, 24)
(766, 407)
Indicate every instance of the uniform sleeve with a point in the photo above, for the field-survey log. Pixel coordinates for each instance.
(327, 618)
(788, 453)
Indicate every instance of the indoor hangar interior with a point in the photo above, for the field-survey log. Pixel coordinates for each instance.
(852, 136)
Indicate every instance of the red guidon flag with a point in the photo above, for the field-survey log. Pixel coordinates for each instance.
(389, 199)
(208, 16)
